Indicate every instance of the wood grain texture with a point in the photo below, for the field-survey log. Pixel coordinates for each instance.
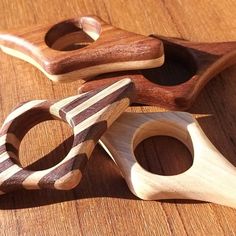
(89, 114)
(201, 61)
(210, 178)
(102, 204)
(102, 48)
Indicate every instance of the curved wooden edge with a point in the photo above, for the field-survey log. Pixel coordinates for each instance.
(88, 114)
(199, 49)
(203, 60)
(211, 177)
(113, 49)
(177, 97)
(87, 73)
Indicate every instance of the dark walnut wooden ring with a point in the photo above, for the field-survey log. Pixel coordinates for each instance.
(82, 47)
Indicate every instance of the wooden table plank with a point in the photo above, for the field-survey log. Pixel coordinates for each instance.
(102, 203)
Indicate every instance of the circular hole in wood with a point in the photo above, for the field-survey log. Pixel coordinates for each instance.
(45, 145)
(72, 35)
(178, 68)
(163, 155)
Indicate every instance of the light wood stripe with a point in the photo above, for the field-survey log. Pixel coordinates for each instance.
(4, 156)
(91, 71)
(3, 139)
(6, 174)
(55, 108)
(35, 177)
(94, 109)
(73, 152)
(90, 120)
(20, 110)
(73, 174)
(99, 96)
(7, 155)
(20, 41)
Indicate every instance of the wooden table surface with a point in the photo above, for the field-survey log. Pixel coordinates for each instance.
(102, 203)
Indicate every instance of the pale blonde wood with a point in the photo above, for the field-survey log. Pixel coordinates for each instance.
(211, 177)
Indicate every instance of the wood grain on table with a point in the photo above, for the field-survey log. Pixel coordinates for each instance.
(102, 203)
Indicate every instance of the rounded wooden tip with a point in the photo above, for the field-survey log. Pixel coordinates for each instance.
(88, 114)
(210, 178)
(193, 63)
(81, 48)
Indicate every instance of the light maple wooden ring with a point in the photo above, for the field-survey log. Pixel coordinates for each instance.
(89, 115)
(210, 178)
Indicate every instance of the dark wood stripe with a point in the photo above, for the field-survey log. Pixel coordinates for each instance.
(22, 120)
(94, 132)
(15, 181)
(41, 113)
(6, 164)
(8, 147)
(3, 148)
(77, 102)
(26, 120)
(77, 162)
(98, 106)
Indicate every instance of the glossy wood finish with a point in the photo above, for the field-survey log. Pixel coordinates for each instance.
(194, 65)
(80, 48)
(211, 177)
(89, 115)
(102, 204)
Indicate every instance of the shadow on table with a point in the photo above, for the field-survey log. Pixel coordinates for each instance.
(101, 178)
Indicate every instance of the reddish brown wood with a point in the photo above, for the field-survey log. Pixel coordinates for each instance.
(54, 47)
(188, 67)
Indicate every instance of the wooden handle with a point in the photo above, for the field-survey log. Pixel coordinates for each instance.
(211, 177)
(88, 114)
(188, 67)
(79, 48)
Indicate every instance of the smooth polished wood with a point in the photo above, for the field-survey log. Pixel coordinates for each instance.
(89, 114)
(102, 203)
(211, 177)
(195, 65)
(80, 48)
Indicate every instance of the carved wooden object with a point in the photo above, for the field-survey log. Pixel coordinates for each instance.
(211, 177)
(79, 48)
(88, 114)
(187, 69)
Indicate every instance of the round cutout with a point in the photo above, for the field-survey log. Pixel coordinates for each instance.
(179, 67)
(163, 155)
(72, 35)
(45, 145)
